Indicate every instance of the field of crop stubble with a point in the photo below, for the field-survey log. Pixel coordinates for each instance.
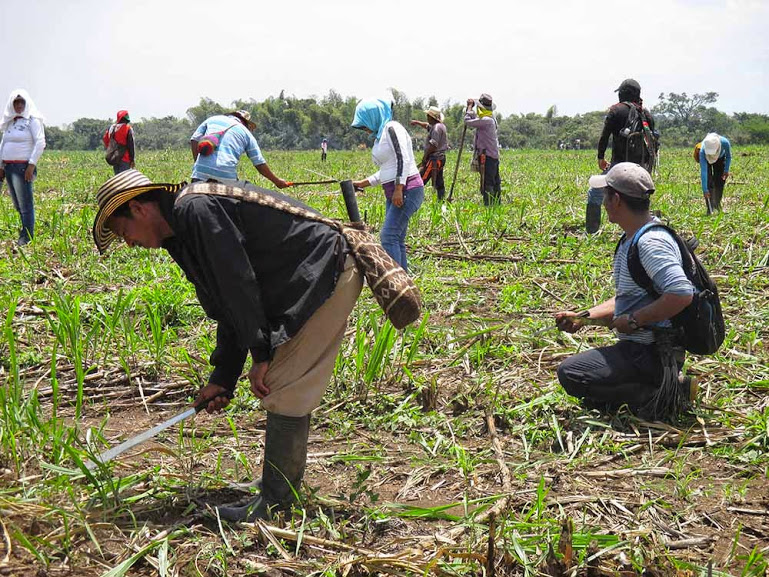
(445, 449)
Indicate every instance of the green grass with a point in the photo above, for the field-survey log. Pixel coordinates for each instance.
(93, 350)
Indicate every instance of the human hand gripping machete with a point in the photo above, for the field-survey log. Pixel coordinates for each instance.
(110, 454)
(582, 318)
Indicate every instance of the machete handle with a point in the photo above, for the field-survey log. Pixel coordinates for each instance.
(202, 404)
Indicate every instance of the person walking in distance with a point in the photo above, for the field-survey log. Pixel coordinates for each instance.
(624, 124)
(118, 141)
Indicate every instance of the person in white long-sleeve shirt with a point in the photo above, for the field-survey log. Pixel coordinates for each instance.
(22, 145)
(393, 153)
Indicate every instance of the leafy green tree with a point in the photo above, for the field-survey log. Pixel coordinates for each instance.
(682, 110)
(288, 122)
(88, 132)
(205, 109)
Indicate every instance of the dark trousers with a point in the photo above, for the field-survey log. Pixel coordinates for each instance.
(121, 166)
(433, 169)
(492, 184)
(624, 373)
(716, 182)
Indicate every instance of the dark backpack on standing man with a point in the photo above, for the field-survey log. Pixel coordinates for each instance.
(641, 142)
(115, 151)
(701, 323)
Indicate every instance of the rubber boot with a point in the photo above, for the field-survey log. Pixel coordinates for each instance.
(592, 218)
(285, 457)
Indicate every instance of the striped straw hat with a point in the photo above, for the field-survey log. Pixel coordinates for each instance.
(117, 191)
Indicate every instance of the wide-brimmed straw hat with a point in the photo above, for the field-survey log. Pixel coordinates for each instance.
(435, 113)
(117, 191)
(245, 117)
(712, 146)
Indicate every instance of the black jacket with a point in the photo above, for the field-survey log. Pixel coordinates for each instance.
(614, 122)
(259, 272)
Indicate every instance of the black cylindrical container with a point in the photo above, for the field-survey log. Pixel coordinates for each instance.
(350, 201)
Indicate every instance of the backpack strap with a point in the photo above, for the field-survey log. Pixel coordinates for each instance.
(636, 268)
(260, 196)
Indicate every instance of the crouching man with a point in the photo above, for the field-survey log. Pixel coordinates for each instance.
(280, 287)
(643, 367)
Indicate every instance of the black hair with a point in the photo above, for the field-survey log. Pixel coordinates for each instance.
(154, 195)
(634, 204)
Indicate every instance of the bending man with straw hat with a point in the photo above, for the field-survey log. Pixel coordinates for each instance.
(280, 287)
(436, 145)
(220, 141)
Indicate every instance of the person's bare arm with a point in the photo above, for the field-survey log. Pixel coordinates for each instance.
(602, 314)
(265, 171)
(194, 149)
(664, 308)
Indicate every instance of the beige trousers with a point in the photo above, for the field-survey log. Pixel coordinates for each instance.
(302, 368)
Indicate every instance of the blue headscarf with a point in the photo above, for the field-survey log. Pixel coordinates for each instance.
(373, 114)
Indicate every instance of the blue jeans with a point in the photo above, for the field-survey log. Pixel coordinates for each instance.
(23, 201)
(595, 195)
(396, 223)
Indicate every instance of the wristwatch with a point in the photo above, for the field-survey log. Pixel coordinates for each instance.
(632, 322)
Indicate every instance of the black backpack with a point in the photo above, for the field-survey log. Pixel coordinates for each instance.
(115, 151)
(640, 141)
(701, 324)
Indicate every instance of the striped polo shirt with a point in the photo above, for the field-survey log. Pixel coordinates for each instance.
(661, 258)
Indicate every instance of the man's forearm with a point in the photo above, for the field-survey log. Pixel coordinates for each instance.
(265, 171)
(603, 312)
(194, 148)
(664, 308)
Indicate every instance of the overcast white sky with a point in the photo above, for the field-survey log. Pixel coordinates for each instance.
(89, 58)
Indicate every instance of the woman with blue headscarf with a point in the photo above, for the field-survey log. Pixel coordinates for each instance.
(398, 173)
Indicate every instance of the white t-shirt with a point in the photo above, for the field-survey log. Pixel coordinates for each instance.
(24, 140)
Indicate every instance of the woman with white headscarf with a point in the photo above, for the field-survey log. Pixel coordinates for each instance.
(715, 157)
(20, 149)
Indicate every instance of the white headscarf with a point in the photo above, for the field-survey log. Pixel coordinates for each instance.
(30, 110)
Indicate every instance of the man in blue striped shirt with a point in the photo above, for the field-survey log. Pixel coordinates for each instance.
(233, 132)
(632, 370)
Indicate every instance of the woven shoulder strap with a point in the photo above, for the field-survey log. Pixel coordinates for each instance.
(258, 196)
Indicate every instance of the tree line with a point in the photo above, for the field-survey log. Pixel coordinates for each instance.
(290, 123)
